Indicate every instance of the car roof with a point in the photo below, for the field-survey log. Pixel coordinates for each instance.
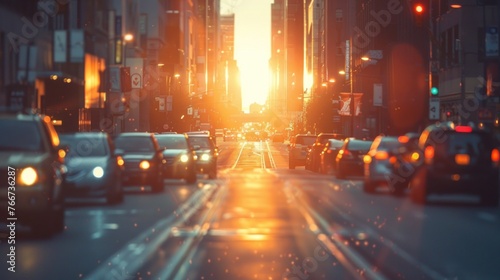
(131, 134)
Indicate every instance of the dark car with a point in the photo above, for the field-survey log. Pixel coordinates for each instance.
(93, 168)
(313, 155)
(406, 161)
(32, 172)
(350, 157)
(457, 159)
(143, 159)
(206, 152)
(298, 148)
(180, 158)
(378, 164)
(328, 156)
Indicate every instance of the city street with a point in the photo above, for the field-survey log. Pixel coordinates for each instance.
(261, 220)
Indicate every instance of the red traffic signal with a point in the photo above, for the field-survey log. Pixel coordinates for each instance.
(418, 13)
(418, 8)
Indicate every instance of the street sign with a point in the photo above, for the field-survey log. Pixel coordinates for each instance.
(434, 109)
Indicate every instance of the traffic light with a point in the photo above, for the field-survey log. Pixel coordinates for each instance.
(434, 85)
(418, 13)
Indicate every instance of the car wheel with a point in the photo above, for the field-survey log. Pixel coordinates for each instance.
(491, 198)
(340, 174)
(398, 189)
(369, 186)
(212, 174)
(157, 186)
(191, 177)
(44, 227)
(418, 187)
(114, 197)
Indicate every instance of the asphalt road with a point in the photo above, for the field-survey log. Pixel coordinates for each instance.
(260, 220)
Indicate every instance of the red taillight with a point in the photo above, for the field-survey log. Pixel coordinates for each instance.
(495, 156)
(429, 154)
(463, 128)
(329, 151)
(403, 139)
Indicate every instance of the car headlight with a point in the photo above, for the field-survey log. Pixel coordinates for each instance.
(205, 157)
(28, 176)
(184, 158)
(98, 172)
(144, 164)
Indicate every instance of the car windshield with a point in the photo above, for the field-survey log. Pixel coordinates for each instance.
(203, 142)
(85, 146)
(359, 145)
(135, 144)
(172, 142)
(305, 140)
(20, 136)
(464, 143)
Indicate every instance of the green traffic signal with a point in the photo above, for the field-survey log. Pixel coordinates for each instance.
(434, 91)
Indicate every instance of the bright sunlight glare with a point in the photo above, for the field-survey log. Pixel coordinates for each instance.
(252, 49)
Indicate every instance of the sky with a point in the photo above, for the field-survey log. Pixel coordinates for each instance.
(252, 48)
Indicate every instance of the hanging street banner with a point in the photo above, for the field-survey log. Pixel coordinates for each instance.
(345, 103)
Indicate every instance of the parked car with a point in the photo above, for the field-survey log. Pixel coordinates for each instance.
(458, 159)
(206, 152)
(180, 158)
(313, 155)
(350, 157)
(328, 156)
(93, 168)
(298, 148)
(32, 172)
(378, 165)
(143, 159)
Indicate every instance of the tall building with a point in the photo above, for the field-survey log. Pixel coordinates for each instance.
(287, 59)
(467, 62)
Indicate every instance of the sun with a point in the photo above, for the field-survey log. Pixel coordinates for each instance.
(252, 50)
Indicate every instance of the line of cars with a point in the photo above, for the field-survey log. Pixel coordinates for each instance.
(444, 159)
(46, 168)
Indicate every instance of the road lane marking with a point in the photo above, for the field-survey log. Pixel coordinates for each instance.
(350, 259)
(136, 252)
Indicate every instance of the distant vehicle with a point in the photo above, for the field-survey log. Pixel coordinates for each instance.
(229, 136)
(458, 159)
(298, 147)
(378, 165)
(180, 158)
(328, 156)
(313, 155)
(350, 158)
(143, 159)
(93, 168)
(33, 162)
(206, 152)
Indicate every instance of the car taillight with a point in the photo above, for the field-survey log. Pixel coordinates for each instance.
(495, 157)
(463, 128)
(381, 155)
(429, 154)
